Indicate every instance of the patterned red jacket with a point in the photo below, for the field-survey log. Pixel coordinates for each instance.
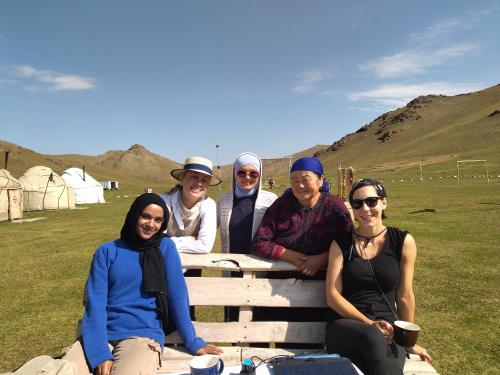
(288, 225)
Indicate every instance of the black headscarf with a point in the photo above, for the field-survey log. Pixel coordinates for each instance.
(152, 262)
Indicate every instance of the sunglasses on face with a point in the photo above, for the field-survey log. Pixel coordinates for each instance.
(370, 202)
(253, 174)
(147, 217)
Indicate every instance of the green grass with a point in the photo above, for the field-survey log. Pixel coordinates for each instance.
(45, 263)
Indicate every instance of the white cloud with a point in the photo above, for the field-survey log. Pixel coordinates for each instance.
(433, 46)
(308, 81)
(412, 62)
(54, 80)
(451, 25)
(396, 95)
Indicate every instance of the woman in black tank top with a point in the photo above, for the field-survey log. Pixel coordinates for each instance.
(369, 286)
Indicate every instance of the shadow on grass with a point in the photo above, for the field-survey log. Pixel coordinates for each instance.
(424, 210)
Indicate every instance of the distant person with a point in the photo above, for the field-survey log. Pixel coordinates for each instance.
(271, 183)
(134, 282)
(369, 286)
(299, 228)
(193, 215)
(240, 211)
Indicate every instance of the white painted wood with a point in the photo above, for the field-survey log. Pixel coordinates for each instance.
(219, 261)
(246, 313)
(219, 291)
(264, 332)
(416, 366)
(177, 359)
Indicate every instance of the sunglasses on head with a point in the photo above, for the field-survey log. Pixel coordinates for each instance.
(370, 202)
(252, 174)
(157, 219)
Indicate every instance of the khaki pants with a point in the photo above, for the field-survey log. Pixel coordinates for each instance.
(132, 356)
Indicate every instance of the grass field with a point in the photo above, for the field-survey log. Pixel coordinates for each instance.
(44, 265)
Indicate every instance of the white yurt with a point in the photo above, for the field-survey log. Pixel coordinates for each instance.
(43, 189)
(86, 188)
(11, 197)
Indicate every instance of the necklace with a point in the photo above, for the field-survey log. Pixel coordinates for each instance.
(369, 239)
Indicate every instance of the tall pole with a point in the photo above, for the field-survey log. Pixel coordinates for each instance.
(421, 172)
(218, 166)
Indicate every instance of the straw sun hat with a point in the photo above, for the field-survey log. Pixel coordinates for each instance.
(196, 164)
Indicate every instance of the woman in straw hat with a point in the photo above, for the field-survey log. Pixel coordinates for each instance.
(193, 216)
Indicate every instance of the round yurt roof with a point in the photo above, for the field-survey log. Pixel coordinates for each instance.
(36, 178)
(7, 181)
(86, 190)
(43, 189)
(75, 177)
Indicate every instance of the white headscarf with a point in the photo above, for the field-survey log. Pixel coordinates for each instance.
(242, 160)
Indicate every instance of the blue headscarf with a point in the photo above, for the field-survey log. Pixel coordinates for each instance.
(312, 165)
(307, 164)
(242, 160)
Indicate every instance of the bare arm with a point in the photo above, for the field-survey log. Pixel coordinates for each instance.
(405, 299)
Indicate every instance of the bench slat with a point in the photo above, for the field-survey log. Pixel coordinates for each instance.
(218, 261)
(265, 332)
(220, 291)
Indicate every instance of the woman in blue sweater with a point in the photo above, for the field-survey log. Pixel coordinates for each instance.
(134, 283)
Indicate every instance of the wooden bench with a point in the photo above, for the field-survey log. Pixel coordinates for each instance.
(250, 291)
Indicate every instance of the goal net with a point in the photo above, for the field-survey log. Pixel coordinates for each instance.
(469, 169)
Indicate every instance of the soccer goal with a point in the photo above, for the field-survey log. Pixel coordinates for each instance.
(275, 171)
(460, 163)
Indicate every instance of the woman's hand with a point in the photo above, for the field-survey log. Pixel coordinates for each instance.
(422, 352)
(104, 368)
(386, 329)
(209, 349)
(311, 264)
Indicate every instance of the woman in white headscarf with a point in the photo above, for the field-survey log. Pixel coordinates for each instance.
(240, 211)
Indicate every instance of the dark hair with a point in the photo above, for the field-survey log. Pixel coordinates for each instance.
(379, 188)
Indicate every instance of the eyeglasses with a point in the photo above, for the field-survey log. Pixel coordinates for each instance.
(147, 217)
(370, 202)
(252, 174)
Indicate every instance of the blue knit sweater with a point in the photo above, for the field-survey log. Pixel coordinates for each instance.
(117, 307)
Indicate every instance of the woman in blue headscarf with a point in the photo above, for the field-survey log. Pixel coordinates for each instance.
(299, 228)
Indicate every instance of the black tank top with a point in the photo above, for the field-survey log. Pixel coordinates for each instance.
(359, 287)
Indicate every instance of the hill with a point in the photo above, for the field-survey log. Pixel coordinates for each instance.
(438, 129)
(134, 166)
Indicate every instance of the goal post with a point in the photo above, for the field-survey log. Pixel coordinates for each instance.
(460, 162)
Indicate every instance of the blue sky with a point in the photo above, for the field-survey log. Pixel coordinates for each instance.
(272, 77)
